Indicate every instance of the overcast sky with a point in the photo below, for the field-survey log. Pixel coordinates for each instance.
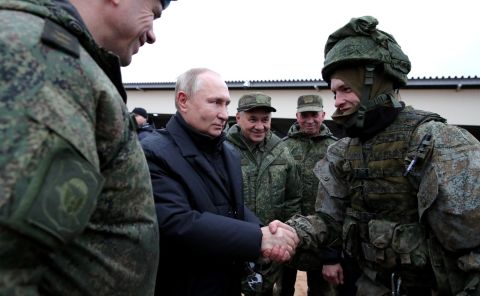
(284, 39)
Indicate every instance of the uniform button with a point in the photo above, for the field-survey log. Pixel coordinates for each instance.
(76, 27)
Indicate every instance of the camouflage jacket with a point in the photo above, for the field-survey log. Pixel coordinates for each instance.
(76, 206)
(270, 187)
(307, 151)
(441, 164)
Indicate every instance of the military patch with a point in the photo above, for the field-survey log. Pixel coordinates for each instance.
(68, 196)
(59, 38)
(308, 100)
(59, 200)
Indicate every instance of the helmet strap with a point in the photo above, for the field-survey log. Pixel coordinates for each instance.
(383, 99)
(364, 100)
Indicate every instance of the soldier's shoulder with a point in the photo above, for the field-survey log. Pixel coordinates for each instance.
(336, 151)
(292, 142)
(339, 145)
(328, 140)
(19, 34)
(19, 23)
(444, 135)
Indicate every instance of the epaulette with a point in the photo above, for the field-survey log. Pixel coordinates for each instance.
(57, 37)
(333, 137)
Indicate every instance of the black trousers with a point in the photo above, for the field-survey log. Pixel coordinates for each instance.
(314, 281)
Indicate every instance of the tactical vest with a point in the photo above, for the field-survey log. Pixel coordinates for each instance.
(382, 228)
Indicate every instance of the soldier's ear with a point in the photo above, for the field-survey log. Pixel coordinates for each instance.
(237, 117)
(298, 115)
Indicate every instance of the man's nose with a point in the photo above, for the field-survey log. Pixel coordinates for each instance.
(223, 114)
(339, 101)
(259, 126)
(151, 36)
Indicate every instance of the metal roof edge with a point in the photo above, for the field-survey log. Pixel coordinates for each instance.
(415, 83)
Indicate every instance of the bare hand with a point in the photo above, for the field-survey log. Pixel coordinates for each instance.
(275, 224)
(333, 274)
(279, 241)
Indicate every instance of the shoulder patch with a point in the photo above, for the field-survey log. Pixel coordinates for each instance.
(57, 37)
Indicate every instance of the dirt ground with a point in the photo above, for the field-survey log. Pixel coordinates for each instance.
(301, 284)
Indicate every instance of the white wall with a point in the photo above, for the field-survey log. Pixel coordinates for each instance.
(458, 107)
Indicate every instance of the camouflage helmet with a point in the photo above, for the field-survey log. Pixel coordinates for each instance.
(165, 3)
(360, 42)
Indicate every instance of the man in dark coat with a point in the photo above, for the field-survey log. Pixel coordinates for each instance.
(206, 233)
(141, 118)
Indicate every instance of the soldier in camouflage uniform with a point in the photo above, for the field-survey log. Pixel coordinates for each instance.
(76, 206)
(400, 194)
(307, 141)
(270, 176)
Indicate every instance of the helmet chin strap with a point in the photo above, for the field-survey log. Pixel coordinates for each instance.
(367, 89)
(367, 104)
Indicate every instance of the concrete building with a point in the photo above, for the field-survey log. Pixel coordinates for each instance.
(455, 98)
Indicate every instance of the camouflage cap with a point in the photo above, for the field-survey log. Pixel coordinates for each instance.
(255, 100)
(309, 103)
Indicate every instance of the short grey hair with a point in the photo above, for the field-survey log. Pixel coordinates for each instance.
(188, 82)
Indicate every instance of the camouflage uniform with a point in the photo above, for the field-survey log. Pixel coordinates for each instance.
(307, 151)
(404, 202)
(423, 226)
(76, 207)
(270, 187)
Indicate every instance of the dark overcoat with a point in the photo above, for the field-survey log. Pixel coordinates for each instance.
(206, 233)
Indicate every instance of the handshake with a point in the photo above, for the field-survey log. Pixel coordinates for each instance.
(279, 241)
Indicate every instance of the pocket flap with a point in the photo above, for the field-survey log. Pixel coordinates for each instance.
(407, 237)
(380, 232)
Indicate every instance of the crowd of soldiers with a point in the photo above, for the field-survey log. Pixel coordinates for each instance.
(390, 209)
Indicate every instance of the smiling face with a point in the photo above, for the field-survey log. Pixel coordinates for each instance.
(206, 110)
(310, 122)
(132, 24)
(345, 98)
(254, 123)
